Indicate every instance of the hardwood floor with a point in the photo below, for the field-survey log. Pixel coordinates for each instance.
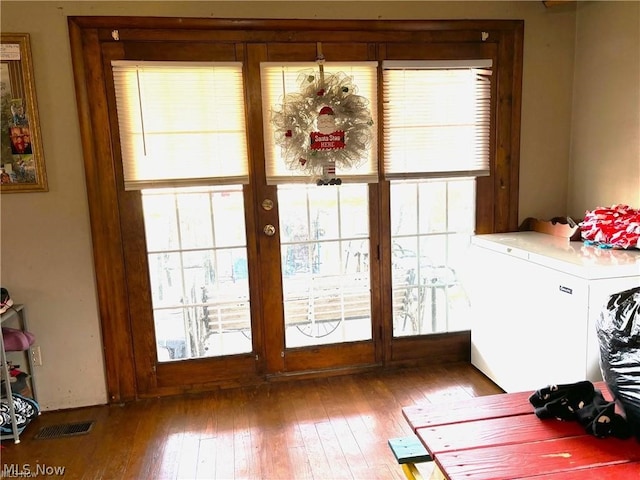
(320, 429)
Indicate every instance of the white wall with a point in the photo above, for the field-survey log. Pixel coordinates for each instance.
(46, 240)
(605, 145)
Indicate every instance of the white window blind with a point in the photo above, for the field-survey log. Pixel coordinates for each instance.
(181, 123)
(436, 118)
(282, 79)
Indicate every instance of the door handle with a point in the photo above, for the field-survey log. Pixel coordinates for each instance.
(269, 230)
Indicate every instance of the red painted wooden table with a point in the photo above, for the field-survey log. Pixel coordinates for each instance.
(500, 437)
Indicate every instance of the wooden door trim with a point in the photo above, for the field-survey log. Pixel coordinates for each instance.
(104, 214)
(267, 280)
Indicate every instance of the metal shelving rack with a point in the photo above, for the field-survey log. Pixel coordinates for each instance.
(15, 312)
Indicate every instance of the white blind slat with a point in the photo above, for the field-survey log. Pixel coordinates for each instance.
(436, 118)
(181, 123)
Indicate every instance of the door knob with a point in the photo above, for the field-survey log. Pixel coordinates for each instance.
(269, 230)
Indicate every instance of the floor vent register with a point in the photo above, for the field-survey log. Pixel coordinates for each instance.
(65, 430)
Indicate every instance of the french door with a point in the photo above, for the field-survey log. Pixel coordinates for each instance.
(250, 280)
(198, 270)
(323, 244)
(223, 285)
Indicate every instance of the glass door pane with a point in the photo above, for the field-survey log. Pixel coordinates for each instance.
(431, 224)
(196, 244)
(324, 244)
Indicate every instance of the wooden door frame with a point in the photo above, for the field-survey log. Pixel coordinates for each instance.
(89, 34)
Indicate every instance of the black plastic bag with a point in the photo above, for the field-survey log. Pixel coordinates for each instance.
(619, 336)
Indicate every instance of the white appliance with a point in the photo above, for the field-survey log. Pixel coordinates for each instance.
(535, 299)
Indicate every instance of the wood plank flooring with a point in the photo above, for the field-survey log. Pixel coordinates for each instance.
(316, 429)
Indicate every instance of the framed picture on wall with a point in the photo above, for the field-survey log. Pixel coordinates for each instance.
(22, 167)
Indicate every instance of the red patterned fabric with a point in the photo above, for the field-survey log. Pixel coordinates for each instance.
(614, 227)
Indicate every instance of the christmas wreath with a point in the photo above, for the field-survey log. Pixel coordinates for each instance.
(323, 127)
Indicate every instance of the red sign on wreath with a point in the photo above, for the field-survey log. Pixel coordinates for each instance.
(324, 141)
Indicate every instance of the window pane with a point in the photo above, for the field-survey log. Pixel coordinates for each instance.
(195, 220)
(428, 294)
(352, 222)
(324, 219)
(325, 264)
(462, 205)
(228, 219)
(199, 277)
(404, 220)
(433, 207)
(160, 215)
